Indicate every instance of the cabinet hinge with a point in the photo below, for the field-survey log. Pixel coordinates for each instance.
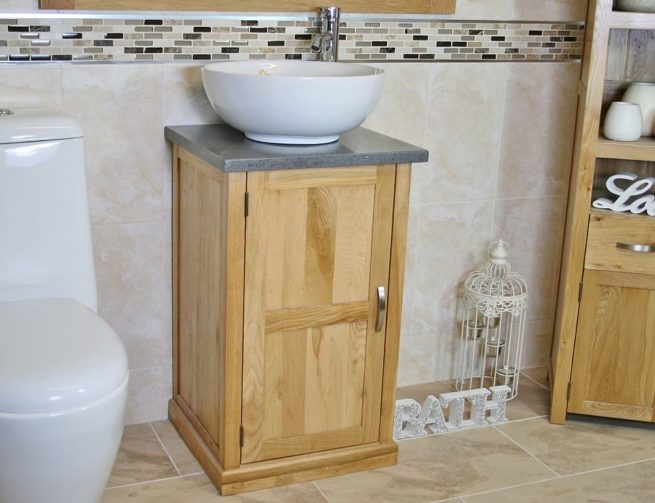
(580, 293)
(245, 204)
(241, 435)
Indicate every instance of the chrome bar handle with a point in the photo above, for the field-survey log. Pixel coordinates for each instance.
(636, 247)
(382, 309)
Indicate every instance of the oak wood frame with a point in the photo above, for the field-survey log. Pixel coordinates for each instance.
(588, 148)
(349, 6)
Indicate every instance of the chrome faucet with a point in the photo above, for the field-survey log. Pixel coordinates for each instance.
(326, 42)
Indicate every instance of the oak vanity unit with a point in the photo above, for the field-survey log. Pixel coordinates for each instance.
(287, 290)
(603, 356)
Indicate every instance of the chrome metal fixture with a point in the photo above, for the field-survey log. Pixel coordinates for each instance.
(326, 42)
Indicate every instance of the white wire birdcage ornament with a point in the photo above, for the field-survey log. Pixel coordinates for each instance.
(491, 338)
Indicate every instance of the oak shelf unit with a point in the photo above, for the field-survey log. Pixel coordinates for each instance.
(640, 150)
(603, 353)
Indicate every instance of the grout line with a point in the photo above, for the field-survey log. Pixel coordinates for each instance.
(562, 477)
(521, 420)
(535, 381)
(132, 484)
(526, 450)
(320, 491)
(165, 450)
(453, 499)
(611, 467)
(491, 491)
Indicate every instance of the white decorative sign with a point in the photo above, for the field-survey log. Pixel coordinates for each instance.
(646, 203)
(411, 420)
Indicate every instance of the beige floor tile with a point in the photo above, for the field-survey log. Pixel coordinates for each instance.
(583, 443)
(140, 458)
(539, 374)
(176, 448)
(531, 401)
(630, 483)
(440, 466)
(199, 489)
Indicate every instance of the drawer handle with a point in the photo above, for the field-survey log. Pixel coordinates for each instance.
(636, 247)
(382, 309)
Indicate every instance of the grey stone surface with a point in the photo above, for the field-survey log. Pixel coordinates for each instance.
(229, 150)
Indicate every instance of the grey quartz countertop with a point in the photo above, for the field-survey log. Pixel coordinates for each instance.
(229, 150)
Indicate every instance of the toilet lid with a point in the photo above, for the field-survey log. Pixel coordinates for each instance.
(56, 354)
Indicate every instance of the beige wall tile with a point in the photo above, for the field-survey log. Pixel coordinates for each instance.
(185, 101)
(401, 111)
(539, 122)
(424, 358)
(20, 5)
(484, 9)
(565, 10)
(129, 274)
(30, 86)
(463, 132)
(120, 110)
(536, 343)
(452, 242)
(534, 229)
(144, 402)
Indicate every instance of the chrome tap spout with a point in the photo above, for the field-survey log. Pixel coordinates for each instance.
(326, 42)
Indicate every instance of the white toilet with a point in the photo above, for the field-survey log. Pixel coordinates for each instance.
(63, 370)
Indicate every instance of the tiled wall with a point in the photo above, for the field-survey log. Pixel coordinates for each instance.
(216, 38)
(499, 137)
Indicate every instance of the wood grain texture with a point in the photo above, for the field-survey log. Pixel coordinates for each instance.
(208, 285)
(640, 150)
(606, 229)
(314, 366)
(614, 365)
(381, 6)
(201, 290)
(579, 202)
(395, 300)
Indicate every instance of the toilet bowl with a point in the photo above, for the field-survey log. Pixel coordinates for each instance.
(63, 370)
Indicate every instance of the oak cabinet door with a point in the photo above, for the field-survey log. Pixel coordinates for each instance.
(614, 361)
(317, 249)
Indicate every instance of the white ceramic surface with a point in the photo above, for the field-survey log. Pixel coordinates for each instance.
(56, 355)
(636, 5)
(643, 94)
(61, 457)
(292, 102)
(63, 371)
(623, 122)
(44, 214)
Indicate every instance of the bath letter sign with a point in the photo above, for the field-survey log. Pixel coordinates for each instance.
(411, 420)
(645, 203)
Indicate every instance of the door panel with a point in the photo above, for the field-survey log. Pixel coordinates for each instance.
(614, 361)
(317, 248)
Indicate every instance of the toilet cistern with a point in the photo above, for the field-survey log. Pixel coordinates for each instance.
(326, 42)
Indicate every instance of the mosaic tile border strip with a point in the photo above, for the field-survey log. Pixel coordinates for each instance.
(115, 39)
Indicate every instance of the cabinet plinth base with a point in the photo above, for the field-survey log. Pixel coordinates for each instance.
(279, 472)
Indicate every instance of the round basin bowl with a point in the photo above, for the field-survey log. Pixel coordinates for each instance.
(292, 102)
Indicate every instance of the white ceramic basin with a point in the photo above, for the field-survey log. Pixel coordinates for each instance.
(294, 102)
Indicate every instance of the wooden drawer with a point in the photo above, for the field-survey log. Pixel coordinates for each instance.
(606, 230)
